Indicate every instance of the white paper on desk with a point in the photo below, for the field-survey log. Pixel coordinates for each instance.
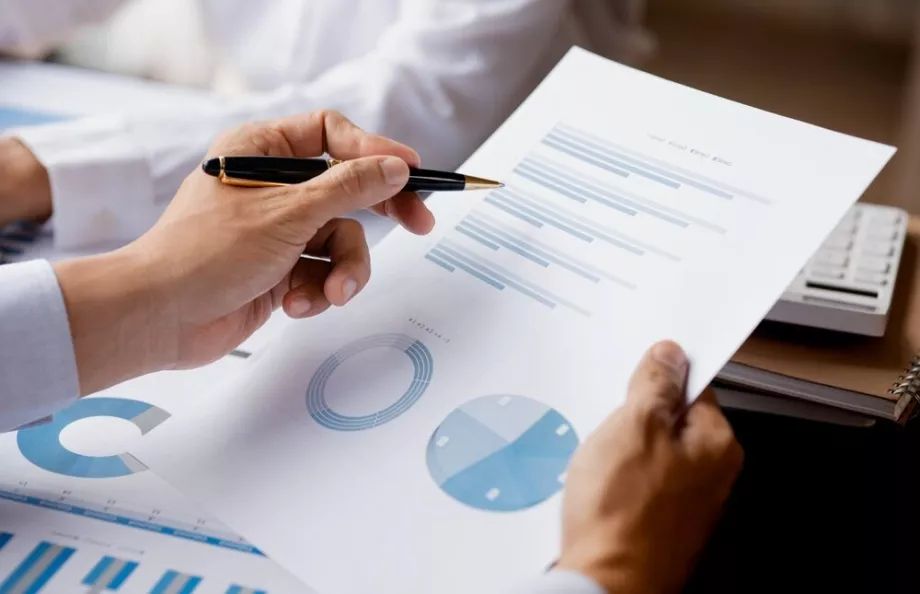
(731, 203)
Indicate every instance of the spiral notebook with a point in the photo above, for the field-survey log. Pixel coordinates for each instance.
(877, 377)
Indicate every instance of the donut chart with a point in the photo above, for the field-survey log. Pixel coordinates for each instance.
(501, 453)
(41, 445)
(317, 397)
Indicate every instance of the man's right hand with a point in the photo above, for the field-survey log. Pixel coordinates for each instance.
(645, 490)
(25, 189)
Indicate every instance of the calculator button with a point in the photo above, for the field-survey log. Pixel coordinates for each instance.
(889, 217)
(827, 273)
(838, 242)
(882, 250)
(873, 265)
(868, 278)
(831, 258)
(846, 228)
(882, 233)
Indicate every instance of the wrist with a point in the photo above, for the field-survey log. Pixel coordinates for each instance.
(118, 318)
(617, 570)
(25, 188)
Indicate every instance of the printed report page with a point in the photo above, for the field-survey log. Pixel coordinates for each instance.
(417, 439)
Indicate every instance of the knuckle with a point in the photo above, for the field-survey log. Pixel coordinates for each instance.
(352, 228)
(352, 180)
(269, 139)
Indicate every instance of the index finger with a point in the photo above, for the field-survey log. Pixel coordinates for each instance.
(310, 135)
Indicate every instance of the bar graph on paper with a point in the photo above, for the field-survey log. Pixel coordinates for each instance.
(560, 232)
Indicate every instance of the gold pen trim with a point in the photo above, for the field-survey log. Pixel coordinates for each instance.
(481, 183)
(243, 183)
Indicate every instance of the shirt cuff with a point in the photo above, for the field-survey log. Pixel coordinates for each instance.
(102, 190)
(38, 370)
(561, 582)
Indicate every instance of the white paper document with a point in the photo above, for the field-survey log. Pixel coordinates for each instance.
(417, 439)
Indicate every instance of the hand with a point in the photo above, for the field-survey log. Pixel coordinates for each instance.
(221, 258)
(25, 190)
(645, 490)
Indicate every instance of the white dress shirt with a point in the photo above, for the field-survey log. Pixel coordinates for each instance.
(439, 75)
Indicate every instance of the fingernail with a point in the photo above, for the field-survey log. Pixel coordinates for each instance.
(673, 356)
(349, 287)
(300, 306)
(394, 171)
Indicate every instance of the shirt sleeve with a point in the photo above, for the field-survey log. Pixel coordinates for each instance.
(27, 26)
(560, 582)
(440, 79)
(38, 371)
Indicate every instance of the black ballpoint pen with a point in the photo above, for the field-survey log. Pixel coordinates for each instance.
(282, 171)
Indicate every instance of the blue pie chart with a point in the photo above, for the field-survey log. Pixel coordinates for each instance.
(320, 401)
(501, 453)
(41, 445)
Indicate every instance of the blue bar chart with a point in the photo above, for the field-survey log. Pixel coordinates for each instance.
(541, 213)
(108, 575)
(174, 582)
(583, 189)
(495, 234)
(151, 520)
(244, 590)
(43, 565)
(452, 256)
(557, 214)
(34, 572)
(625, 162)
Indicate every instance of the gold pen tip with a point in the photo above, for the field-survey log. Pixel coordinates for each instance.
(481, 183)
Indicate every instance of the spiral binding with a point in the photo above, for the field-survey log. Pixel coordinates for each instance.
(909, 383)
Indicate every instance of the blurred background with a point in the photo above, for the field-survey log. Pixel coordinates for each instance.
(849, 65)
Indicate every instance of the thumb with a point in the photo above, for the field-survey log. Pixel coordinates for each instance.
(656, 390)
(354, 185)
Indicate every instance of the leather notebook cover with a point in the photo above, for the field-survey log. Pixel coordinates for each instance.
(872, 366)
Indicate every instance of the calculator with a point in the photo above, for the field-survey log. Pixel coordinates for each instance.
(849, 283)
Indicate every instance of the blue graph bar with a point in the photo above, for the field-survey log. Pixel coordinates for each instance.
(472, 234)
(474, 271)
(4, 538)
(509, 278)
(568, 186)
(515, 213)
(126, 521)
(488, 269)
(174, 582)
(509, 245)
(598, 159)
(568, 190)
(109, 574)
(506, 201)
(544, 251)
(698, 181)
(40, 566)
(606, 234)
(440, 262)
(243, 590)
(599, 191)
